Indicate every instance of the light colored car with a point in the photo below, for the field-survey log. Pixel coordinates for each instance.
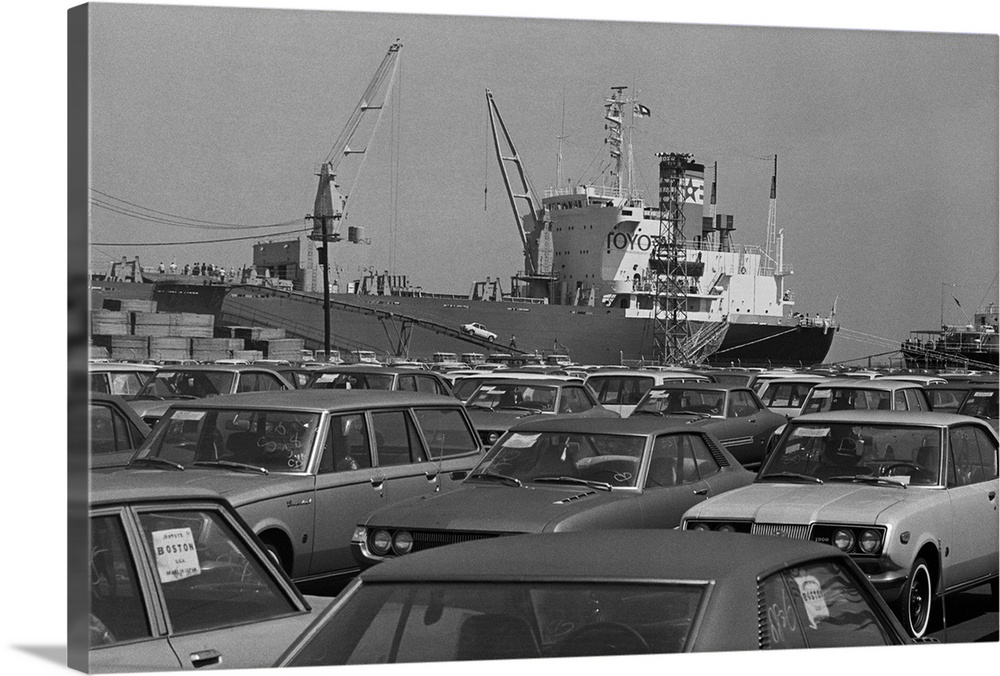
(304, 466)
(621, 389)
(177, 581)
(733, 413)
(787, 395)
(561, 474)
(607, 592)
(853, 394)
(479, 331)
(912, 497)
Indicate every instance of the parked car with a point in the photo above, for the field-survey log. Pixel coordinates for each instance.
(841, 394)
(303, 467)
(178, 581)
(479, 331)
(912, 497)
(116, 431)
(590, 594)
(620, 390)
(787, 395)
(119, 378)
(733, 413)
(171, 384)
(379, 378)
(500, 403)
(463, 386)
(562, 474)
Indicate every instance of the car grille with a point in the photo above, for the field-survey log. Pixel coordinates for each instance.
(430, 539)
(784, 530)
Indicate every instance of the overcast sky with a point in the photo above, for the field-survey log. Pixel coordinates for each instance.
(902, 179)
(886, 142)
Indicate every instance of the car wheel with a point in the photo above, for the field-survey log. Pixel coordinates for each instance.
(490, 338)
(274, 551)
(914, 604)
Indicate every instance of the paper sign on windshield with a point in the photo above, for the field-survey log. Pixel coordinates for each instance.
(521, 440)
(817, 432)
(812, 599)
(188, 415)
(176, 554)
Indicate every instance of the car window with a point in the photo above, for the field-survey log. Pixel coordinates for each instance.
(99, 383)
(817, 605)
(346, 445)
(973, 457)
(741, 405)
(916, 401)
(396, 439)
(899, 401)
(679, 459)
(982, 403)
(117, 610)
(208, 576)
(446, 432)
(187, 384)
(785, 395)
(482, 620)
(109, 430)
(574, 400)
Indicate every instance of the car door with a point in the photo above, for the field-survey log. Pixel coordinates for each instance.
(126, 632)
(676, 478)
(348, 488)
(972, 489)
(400, 454)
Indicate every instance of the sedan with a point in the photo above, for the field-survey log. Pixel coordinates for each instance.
(620, 390)
(613, 592)
(912, 497)
(178, 581)
(734, 414)
(500, 403)
(304, 466)
(562, 474)
(479, 331)
(361, 377)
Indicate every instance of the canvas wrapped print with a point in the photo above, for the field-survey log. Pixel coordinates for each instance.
(426, 338)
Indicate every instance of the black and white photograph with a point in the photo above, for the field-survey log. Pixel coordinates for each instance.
(401, 336)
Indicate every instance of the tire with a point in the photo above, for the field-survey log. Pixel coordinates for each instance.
(913, 607)
(274, 552)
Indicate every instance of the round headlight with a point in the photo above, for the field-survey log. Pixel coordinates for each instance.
(381, 542)
(726, 528)
(699, 526)
(843, 539)
(402, 542)
(871, 541)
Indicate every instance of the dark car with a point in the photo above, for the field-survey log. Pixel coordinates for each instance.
(180, 383)
(116, 431)
(911, 496)
(363, 377)
(304, 466)
(613, 592)
(178, 581)
(499, 403)
(733, 413)
(562, 474)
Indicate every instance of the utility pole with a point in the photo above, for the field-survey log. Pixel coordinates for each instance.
(323, 212)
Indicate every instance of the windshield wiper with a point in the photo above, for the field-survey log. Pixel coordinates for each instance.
(865, 479)
(153, 460)
(509, 480)
(647, 411)
(793, 476)
(488, 407)
(603, 485)
(229, 464)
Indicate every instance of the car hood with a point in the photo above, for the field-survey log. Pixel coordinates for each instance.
(240, 488)
(529, 509)
(794, 503)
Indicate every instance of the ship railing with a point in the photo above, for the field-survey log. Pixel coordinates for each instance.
(588, 190)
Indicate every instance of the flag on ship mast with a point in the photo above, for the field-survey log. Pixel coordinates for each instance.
(641, 110)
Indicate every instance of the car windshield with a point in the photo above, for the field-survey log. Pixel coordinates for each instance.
(824, 399)
(277, 441)
(352, 381)
(448, 621)
(183, 384)
(679, 400)
(528, 456)
(904, 454)
(981, 403)
(541, 398)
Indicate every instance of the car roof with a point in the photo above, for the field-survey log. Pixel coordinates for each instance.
(533, 382)
(799, 378)
(637, 425)
(320, 400)
(639, 555)
(222, 368)
(868, 416)
(644, 373)
(108, 488)
(884, 384)
(122, 366)
(709, 387)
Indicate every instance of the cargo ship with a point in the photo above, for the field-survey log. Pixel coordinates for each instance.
(609, 277)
